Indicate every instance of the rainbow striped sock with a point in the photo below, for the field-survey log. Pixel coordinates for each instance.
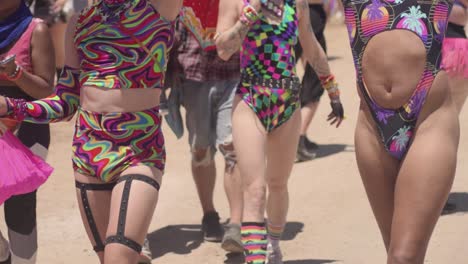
(275, 231)
(254, 239)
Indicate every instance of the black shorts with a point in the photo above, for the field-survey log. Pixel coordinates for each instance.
(312, 90)
(455, 31)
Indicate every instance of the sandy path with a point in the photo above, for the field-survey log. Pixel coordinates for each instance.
(330, 219)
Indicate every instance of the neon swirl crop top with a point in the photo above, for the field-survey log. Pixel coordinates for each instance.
(111, 50)
(268, 50)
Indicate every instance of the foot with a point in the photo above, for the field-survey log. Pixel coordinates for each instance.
(145, 255)
(274, 255)
(232, 239)
(211, 228)
(4, 249)
(310, 145)
(303, 153)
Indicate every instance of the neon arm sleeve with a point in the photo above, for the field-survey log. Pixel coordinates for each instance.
(61, 105)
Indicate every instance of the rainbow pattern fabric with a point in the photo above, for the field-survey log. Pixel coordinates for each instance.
(111, 51)
(254, 239)
(104, 145)
(426, 19)
(268, 52)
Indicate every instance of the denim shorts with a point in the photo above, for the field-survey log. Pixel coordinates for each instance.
(208, 108)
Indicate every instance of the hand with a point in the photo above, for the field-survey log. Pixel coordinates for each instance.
(58, 6)
(8, 68)
(337, 114)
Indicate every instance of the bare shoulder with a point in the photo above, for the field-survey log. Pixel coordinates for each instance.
(41, 31)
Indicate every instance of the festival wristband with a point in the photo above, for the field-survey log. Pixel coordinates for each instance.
(249, 15)
(330, 85)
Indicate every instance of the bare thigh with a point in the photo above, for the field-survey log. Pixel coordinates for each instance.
(249, 138)
(282, 148)
(99, 204)
(459, 91)
(425, 176)
(378, 171)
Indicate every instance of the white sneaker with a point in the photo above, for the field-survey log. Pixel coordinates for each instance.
(274, 255)
(4, 249)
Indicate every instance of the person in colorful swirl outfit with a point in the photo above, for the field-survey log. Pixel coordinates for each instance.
(265, 121)
(407, 118)
(114, 73)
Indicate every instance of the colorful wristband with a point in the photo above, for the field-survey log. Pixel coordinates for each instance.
(249, 15)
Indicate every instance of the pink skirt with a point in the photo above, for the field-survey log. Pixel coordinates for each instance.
(21, 170)
(455, 57)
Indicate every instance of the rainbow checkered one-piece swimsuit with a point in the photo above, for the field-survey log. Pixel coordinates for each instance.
(425, 18)
(268, 53)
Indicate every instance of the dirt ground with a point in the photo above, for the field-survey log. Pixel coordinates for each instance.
(330, 220)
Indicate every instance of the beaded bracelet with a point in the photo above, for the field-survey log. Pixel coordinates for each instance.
(249, 15)
(16, 74)
(330, 85)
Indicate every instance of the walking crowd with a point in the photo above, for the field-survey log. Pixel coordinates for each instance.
(114, 62)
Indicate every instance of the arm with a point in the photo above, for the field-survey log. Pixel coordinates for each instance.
(313, 52)
(231, 30)
(62, 104)
(39, 83)
(317, 58)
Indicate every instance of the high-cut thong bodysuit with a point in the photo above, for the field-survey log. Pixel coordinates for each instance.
(268, 53)
(121, 45)
(428, 20)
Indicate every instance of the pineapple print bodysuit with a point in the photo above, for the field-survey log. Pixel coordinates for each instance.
(425, 18)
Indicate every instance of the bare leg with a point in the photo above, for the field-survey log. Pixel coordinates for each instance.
(422, 190)
(137, 190)
(98, 203)
(459, 90)
(378, 172)
(307, 114)
(281, 152)
(249, 142)
(204, 175)
(232, 184)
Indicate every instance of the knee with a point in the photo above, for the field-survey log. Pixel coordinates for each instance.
(405, 255)
(230, 157)
(202, 157)
(277, 185)
(255, 194)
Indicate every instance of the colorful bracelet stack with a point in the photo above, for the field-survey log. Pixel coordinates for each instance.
(16, 74)
(249, 15)
(331, 86)
(273, 7)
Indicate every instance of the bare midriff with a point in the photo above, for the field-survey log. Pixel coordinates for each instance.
(392, 66)
(102, 100)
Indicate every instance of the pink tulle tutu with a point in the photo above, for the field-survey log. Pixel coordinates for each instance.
(21, 170)
(455, 57)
